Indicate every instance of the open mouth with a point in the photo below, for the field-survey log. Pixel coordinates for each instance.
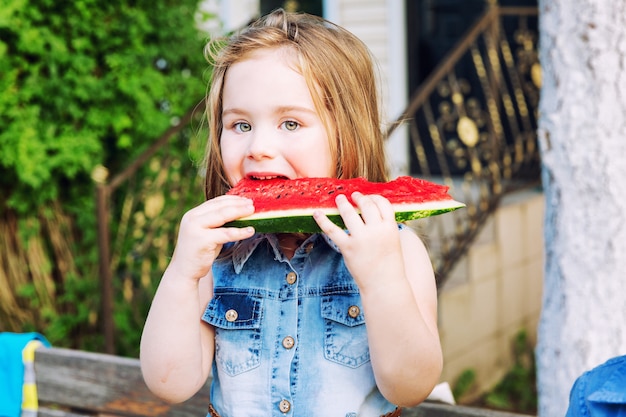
(267, 177)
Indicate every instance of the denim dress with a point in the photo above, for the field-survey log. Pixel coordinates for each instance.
(290, 337)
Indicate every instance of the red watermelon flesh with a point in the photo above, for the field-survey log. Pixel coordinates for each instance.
(283, 205)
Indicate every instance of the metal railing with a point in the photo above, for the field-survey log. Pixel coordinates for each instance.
(472, 125)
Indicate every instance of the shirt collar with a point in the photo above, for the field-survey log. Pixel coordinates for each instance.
(243, 250)
(612, 390)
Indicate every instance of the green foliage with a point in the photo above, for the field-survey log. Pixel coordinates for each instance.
(464, 383)
(86, 83)
(144, 233)
(517, 390)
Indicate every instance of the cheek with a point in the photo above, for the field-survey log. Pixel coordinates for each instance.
(232, 161)
(331, 167)
(319, 160)
(229, 150)
(329, 159)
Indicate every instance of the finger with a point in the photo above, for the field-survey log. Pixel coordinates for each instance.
(334, 232)
(224, 201)
(385, 208)
(368, 207)
(215, 213)
(233, 234)
(348, 213)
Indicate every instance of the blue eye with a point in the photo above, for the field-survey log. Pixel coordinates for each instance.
(291, 125)
(242, 127)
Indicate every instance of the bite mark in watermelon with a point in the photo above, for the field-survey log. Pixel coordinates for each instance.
(283, 205)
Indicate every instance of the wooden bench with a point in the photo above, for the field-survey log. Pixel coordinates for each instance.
(74, 383)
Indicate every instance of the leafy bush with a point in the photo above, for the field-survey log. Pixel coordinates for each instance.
(516, 391)
(86, 84)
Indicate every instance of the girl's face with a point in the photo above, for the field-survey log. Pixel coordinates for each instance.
(270, 125)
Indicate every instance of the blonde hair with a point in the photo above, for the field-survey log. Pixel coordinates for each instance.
(339, 71)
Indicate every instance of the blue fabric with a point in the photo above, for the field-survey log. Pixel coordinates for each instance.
(600, 392)
(12, 370)
(290, 334)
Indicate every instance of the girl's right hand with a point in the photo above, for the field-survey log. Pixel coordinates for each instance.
(201, 235)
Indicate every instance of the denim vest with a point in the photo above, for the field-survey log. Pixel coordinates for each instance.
(290, 336)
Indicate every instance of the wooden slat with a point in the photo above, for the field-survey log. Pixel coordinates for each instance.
(73, 383)
(104, 383)
(432, 409)
(55, 412)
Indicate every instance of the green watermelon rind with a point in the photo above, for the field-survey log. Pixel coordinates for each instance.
(302, 221)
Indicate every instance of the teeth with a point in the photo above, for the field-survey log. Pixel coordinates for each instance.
(267, 178)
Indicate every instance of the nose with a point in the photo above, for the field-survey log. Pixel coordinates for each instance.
(262, 144)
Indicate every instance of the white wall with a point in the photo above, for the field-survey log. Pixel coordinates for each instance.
(494, 292)
(381, 26)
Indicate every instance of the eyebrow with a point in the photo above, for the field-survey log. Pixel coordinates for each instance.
(278, 110)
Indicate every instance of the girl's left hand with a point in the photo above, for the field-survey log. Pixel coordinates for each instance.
(372, 240)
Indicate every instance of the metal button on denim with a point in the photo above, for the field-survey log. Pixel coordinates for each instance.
(291, 278)
(284, 406)
(231, 315)
(288, 342)
(354, 311)
(314, 311)
(309, 247)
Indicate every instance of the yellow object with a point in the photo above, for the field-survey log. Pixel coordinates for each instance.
(30, 402)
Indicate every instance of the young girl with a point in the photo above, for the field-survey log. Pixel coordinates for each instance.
(340, 323)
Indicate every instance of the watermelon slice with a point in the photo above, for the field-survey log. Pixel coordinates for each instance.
(287, 205)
